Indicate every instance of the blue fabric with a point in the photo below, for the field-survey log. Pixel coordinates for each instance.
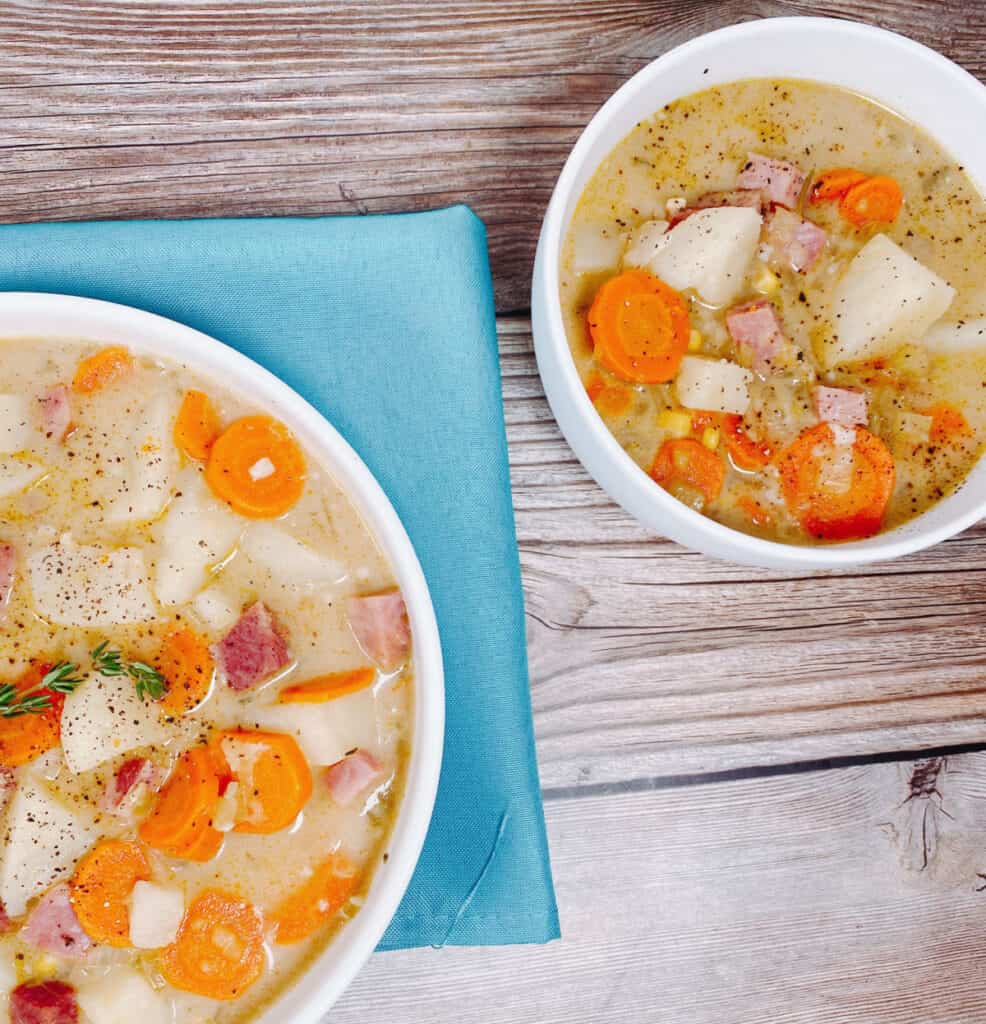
(386, 325)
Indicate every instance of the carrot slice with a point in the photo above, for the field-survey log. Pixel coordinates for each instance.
(328, 687)
(947, 423)
(257, 466)
(315, 903)
(181, 822)
(197, 425)
(834, 184)
(746, 453)
(639, 327)
(684, 462)
(188, 668)
(219, 950)
(26, 737)
(275, 781)
(609, 399)
(755, 511)
(833, 501)
(101, 889)
(103, 368)
(876, 200)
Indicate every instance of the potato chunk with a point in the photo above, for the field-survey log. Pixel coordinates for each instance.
(884, 299)
(713, 385)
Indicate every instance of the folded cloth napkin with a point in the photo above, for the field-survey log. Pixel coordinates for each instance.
(386, 325)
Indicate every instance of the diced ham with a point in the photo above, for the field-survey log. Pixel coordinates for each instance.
(750, 197)
(349, 777)
(756, 328)
(253, 650)
(380, 624)
(132, 773)
(8, 564)
(841, 405)
(779, 181)
(47, 1002)
(794, 241)
(53, 926)
(56, 412)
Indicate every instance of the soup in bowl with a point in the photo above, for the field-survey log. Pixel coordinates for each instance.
(769, 291)
(220, 687)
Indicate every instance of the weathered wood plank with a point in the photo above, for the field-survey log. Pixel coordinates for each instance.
(650, 660)
(190, 109)
(842, 896)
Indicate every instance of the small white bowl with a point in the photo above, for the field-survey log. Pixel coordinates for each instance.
(24, 314)
(909, 78)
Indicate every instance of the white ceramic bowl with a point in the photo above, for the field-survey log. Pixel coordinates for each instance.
(909, 78)
(26, 314)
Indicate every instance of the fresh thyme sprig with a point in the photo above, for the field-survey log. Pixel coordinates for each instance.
(110, 662)
(32, 701)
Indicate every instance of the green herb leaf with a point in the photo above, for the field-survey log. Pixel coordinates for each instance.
(110, 662)
(61, 679)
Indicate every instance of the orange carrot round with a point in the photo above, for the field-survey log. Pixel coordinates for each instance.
(315, 903)
(275, 781)
(328, 687)
(181, 822)
(847, 511)
(25, 737)
(755, 511)
(834, 184)
(609, 399)
(745, 453)
(188, 669)
(101, 889)
(197, 425)
(684, 462)
(101, 369)
(219, 950)
(639, 327)
(876, 200)
(257, 466)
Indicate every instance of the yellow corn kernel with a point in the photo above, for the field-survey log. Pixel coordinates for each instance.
(44, 967)
(766, 282)
(694, 340)
(710, 438)
(675, 422)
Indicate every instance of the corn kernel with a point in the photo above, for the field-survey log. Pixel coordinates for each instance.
(710, 438)
(45, 967)
(694, 340)
(675, 422)
(766, 282)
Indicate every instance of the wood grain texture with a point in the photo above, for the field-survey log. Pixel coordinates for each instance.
(647, 660)
(847, 897)
(205, 108)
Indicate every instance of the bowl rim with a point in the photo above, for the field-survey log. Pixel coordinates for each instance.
(312, 992)
(599, 451)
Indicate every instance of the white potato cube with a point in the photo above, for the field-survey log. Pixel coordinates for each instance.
(595, 247)
(709, 251)
(884, 299)
(17, 475)
(287, 559)
(42, 842)
(122, 996)
(326, 732)
(217, 610)
(75, 585)
(196, 534)
(104, 718)
(155, 915)
(714, 385)
(140, 474)
(17, 423)
(964, 336)
(645, 243)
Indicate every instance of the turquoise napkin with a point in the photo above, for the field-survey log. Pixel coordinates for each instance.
(386, 325)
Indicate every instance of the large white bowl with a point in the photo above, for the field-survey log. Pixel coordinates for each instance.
(27, 314)
(909, 78)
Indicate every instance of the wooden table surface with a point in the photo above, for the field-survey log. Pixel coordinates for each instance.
(736, 835)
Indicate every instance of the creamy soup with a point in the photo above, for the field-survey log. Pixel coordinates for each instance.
(773, 292)
(205, 688)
